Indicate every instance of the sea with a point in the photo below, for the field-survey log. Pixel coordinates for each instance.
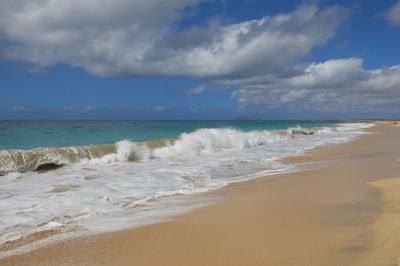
(100, 176)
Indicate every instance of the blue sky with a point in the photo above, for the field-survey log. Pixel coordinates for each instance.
(199, 59)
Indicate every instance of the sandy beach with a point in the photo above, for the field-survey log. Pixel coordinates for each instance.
(341, 208)
(199, 133)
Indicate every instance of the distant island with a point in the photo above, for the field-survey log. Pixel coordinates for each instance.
(247, 118)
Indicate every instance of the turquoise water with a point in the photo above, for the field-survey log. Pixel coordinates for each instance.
(33, 134)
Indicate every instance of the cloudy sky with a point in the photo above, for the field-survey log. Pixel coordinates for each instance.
(199, 59)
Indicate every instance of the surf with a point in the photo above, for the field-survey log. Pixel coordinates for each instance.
(200, 141)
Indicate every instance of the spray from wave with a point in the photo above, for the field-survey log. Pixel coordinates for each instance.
(125, 151)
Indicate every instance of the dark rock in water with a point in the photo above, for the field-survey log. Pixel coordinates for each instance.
(47, 167)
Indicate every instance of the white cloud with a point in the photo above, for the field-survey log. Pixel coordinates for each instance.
(333, 85)
(332, 73)
(140, 37)
(393, 14)
(102, 37)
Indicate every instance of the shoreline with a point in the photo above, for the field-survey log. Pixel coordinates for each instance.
(27, 239)
(242, 196)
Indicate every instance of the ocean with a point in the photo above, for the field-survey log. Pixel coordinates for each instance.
(97, 176)
(35, 134)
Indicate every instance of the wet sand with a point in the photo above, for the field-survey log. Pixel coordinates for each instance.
(340, 209)
(386, 229)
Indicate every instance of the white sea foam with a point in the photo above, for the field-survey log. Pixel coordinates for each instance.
(125, 151)
(208, 141)
(123, 182)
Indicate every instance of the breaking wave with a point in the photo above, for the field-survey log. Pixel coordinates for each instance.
(201, 141)
(36, 159)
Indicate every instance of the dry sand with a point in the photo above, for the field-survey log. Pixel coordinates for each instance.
(339, 210)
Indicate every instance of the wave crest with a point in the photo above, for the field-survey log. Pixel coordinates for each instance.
(203, 141)
(36, 159)
(125, 151)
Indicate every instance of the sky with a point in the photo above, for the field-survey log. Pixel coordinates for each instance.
(199, 59)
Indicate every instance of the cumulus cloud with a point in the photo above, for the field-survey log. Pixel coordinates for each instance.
(263, 58)
(393, 14)
(140, 38)
(103, 37)
(333, 85)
